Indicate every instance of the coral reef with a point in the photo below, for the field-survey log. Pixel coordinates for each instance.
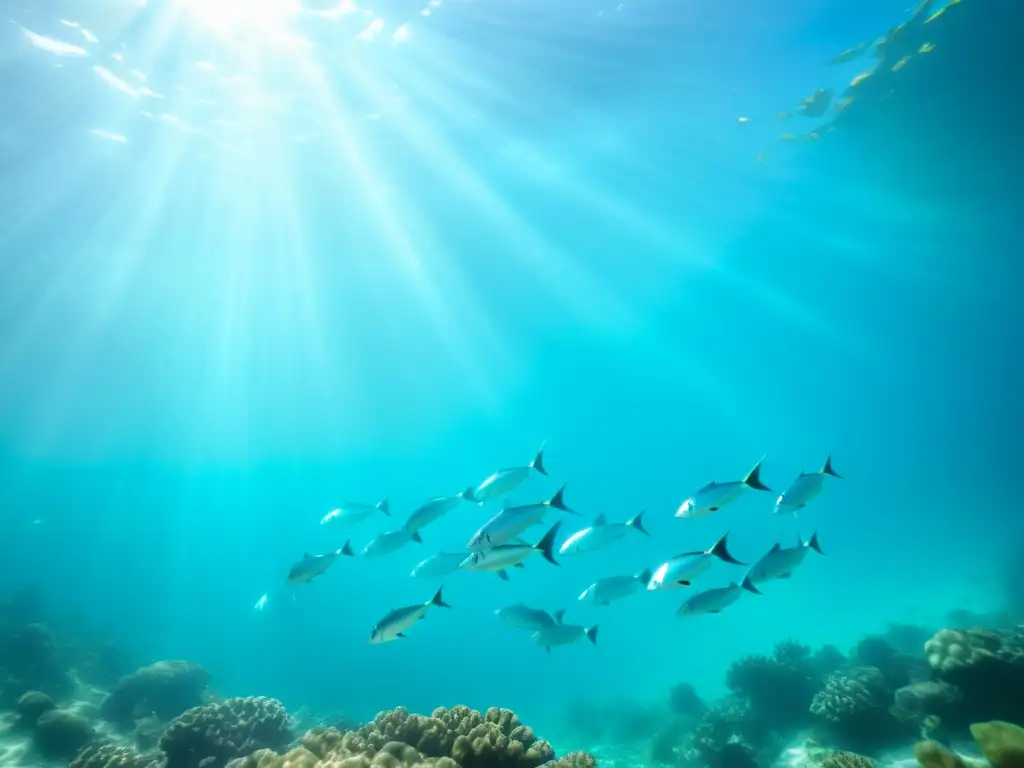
(448, 738)
(779, 687)
(61, 733)
(100, 755)
(165, 689)
(211, 735)
(29, 662)
(684, 700)
(845, 760)
(1002, 744)
(987, 666)
(853, 708)
(31, 706)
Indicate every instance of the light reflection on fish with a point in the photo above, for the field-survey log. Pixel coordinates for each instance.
(505, 480)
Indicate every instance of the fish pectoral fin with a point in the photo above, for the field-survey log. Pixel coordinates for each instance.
(717, 610)
(547, 648)
(519, 565)
(683, 582)
(713, 509)
(503, 575)
(400, 634)
(785, 575)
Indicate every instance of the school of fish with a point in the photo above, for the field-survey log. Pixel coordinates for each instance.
(498, 545)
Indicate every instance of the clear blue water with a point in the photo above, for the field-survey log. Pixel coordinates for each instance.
(247, 276)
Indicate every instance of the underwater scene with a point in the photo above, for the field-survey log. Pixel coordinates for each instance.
(511, 383)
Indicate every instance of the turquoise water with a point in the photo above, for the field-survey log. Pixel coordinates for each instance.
(257, 265)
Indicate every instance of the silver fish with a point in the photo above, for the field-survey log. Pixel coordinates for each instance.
(504, 480)
(715, 600)
(394, 624)
(682, 569)
(780, 562)
(504, 556)
(512, 521)
(522, 616)
(390, 541)
(607, 590)
(600, 534)
(438, 566)
(433, 509)
(806, 486)
(311, 566)
(353, 512)
(713, 496)
(563, 634)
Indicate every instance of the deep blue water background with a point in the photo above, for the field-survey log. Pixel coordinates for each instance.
(527, 222)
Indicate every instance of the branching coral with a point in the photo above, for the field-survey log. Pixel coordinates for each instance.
(210, 735)
(728, 735)
(779, 687)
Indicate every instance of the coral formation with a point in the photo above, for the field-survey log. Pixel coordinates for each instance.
(986, 665)
(166, 689)
(211, 735)
(684, 700)
(846, 760)
(32, 664)
(31, 706)
(100, 755)
(60, 733)
(448, 738)
(779, 687)
(1002, 743)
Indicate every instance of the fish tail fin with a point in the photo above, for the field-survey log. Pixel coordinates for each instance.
(720, 549)
(346, 549)
(546, 545)
(416, 537)
(637, 523)
(538, 460)
(753, 478)
(558, 501)
(813, 543)
(384, 505)
(559, 615)
(749, 586)
(591, 633)
(468, 495)
(438, 600)
(645, 577)
(827, 468)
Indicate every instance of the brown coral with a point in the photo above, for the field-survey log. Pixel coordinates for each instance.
(459, 737)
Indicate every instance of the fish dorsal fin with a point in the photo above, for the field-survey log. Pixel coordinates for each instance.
(710, 485)
(601, 519)
(799, 541)
(694, 553)
(776, 548)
